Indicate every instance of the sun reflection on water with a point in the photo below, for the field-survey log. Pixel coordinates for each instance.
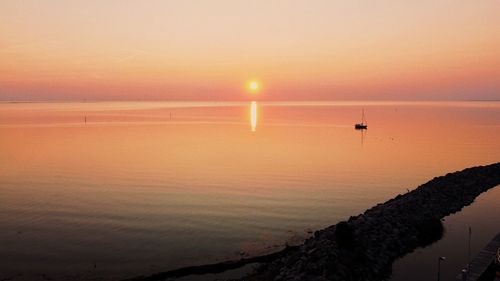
(253, 115)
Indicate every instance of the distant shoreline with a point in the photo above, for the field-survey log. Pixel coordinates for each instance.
(90, 100)
(364, 247)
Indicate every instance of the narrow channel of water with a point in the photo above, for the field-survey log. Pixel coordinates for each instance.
(481, 216)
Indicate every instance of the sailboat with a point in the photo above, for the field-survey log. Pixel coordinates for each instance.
(363, 125)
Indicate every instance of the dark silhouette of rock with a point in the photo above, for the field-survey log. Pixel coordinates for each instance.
(344, 235)
(385, 232)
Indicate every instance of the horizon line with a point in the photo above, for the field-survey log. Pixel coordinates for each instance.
(249, 100)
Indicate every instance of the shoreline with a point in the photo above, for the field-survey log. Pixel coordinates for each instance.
(365, 246)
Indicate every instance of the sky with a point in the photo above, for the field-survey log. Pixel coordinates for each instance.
(209, 49)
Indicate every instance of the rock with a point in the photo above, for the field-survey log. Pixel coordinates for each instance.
(364, 247)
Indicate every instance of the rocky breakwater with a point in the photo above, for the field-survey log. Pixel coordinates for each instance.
(364, 247)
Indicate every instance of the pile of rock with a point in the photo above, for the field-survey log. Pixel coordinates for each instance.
(364, 247)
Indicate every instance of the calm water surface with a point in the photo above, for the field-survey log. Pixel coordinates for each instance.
(145, 187)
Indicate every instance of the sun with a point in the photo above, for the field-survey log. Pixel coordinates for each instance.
(253, 86)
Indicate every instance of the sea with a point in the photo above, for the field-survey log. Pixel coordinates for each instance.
(114, 190)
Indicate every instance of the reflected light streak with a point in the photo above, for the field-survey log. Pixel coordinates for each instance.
(253, 115)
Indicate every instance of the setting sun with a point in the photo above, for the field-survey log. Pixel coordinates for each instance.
(253, 86)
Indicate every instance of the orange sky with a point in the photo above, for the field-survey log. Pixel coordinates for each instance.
(207, 50)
